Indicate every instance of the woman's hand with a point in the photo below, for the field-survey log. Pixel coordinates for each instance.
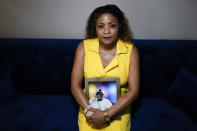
(97, 119)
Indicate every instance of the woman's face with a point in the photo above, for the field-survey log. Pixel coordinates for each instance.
(107, 29)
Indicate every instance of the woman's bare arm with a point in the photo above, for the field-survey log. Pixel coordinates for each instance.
(77, 77)
(133, 82)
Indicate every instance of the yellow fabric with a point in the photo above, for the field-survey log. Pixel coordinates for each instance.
(118, 67)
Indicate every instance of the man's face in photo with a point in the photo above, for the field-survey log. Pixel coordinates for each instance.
(99, 96)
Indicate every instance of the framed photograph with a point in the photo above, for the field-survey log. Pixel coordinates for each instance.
(102, 93)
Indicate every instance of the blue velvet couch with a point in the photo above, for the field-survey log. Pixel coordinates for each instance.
(35, 85)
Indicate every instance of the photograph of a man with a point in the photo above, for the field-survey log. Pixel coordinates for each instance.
(100, 102)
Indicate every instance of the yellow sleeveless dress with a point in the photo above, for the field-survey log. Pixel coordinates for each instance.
(118, 67)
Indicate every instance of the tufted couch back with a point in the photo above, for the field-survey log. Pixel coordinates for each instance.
(161, 61)
(43, 66)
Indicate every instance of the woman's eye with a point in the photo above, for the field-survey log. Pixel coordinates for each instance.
(113, 25)
(100, 26)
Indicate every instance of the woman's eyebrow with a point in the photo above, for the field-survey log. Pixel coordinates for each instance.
(101, 23)
(112, 22)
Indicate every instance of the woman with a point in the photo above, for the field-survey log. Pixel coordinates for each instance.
(106, 52)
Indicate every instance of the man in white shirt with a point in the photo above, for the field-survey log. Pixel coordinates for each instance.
(99, 102)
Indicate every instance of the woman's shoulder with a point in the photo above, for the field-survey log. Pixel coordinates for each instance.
(129, 44)
(126, 44)
(80, 45)
(80, 48)
(87, 44)
(91, 44)
(90, 40)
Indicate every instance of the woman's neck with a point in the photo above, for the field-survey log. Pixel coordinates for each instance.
(107, 47)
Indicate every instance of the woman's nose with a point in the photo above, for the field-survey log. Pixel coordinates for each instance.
(106, 30)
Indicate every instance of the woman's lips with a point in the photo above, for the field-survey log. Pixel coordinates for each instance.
(107, 38)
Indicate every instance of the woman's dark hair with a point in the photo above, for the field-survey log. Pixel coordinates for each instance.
(124, 30)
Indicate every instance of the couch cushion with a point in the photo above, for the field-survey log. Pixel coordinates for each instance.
(39, 113)
(7, 90)
(183, 91)
(159, 115)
